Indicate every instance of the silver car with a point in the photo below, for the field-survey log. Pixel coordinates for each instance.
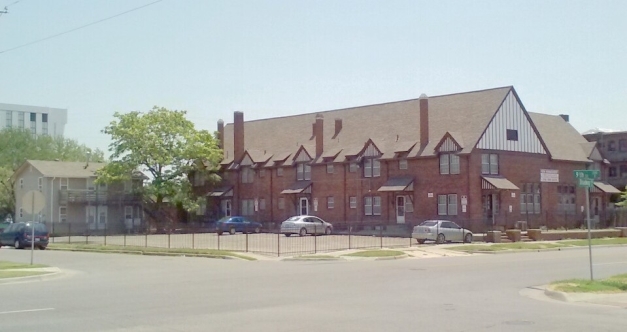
(441, 231)
(303, 225)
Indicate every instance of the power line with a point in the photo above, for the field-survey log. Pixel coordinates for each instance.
(78, 28)
(6, 8)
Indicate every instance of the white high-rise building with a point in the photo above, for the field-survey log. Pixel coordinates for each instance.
(39, 120)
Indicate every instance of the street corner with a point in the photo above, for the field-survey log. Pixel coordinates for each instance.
(43, 274)
(547, 293)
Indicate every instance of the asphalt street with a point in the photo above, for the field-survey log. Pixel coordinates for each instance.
(111, 292)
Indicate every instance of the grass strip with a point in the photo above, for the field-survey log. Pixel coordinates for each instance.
(211, 253)
(376, 253)
(16, 274)
(614, 284)
(5, 265)
(507, 246)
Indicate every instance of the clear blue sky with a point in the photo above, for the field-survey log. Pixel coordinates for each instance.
(273, 58)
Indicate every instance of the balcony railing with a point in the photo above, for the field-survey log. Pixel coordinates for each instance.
(88, 196)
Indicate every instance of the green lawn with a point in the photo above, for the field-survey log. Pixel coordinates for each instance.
(147, 250)
(614, 284)
(536, 245)
(596, 242)
(4, 265)
(17, 274)
(376, 253)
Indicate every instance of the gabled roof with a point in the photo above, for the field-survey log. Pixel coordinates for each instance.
(395, 127)
(561, 139)
(62, 169)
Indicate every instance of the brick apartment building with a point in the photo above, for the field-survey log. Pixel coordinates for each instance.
(613, 146)
(478, 158)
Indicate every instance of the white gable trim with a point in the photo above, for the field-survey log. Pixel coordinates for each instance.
(449, 145)
(511, 116)
(302, 156)
(246, 161)
(371, 151)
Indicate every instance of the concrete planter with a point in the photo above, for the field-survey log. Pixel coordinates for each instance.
(493, 236)
(623, 231)
(514, 235)
(535, 234)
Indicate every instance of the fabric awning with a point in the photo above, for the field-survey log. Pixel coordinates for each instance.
(298, 187)
(605, 188)
(221, 192)
(398, 183)
(497, 183)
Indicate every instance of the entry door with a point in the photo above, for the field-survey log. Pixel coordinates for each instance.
(226, 207)
(400, 209)
(304, 206)
(91, 217)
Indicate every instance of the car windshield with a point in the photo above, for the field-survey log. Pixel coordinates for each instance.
(429, 223)
(224, 219)
(38, 228)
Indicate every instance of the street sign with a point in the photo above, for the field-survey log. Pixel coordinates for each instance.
(585, 178)
(33, 202)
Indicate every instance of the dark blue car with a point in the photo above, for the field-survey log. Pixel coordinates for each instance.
(19, 235)
(237, 224)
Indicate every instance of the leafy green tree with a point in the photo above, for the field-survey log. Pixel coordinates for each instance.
(19, 145)
(165, 146)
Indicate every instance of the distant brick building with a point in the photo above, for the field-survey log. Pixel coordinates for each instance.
(477, 157)
(613, 146)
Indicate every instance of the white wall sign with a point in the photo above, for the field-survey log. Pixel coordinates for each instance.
(464, 208)
(430, 195)
(549, 175)
(316, 204)
(464, 200)
(510, 209)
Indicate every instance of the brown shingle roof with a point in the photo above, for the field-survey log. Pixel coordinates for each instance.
(562, 140)
(66, 169)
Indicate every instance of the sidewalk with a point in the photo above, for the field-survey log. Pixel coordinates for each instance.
(618, 299)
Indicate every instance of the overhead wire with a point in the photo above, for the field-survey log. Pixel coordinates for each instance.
(7, 7)
(77, 28)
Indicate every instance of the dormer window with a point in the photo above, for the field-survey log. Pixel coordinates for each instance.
(247, 175)
(303, 171)
(372, 168)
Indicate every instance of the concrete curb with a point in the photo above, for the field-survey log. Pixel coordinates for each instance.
(391, 257)
(513, 251)
(556, 295)
(314, 259)
(134, 252)
(52, 273)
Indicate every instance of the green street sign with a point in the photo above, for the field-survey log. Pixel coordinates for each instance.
(585, 178)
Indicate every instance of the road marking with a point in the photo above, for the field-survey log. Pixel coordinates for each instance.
(23, 311)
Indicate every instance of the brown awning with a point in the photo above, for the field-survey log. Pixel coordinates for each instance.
(221, 192)
(398, 183)
(298, 187)
(497, 183)
(605, 188)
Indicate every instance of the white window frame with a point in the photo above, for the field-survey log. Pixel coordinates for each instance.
(202, 208)
(352, 167)
(330, 169)
(303, 171)
(409, 205)
(402, 164)
(62, 213)
(454, 164)
(376, 205)
(330, 202)
(20, 120)
(64, 184)
(490, 163)
(9, 123)
(279, 171)
(442, 205)
(372, 168)
(352, 202)
(452, 204)
(368, 205)
(444, 164)
(247, 175)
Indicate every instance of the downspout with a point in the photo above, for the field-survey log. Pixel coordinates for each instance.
(468, 188)
(344, 193)
(271, 195)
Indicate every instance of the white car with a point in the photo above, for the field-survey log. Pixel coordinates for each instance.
(303, 225)
(441, 231)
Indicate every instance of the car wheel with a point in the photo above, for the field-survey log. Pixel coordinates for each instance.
(468, 238)
(420, 241)
(302, 232)
(257, 230)
(232, 231)
(441, 239)
(219, 232)
(17, 244)
(42, 248)
(287, 234)
(327, 231)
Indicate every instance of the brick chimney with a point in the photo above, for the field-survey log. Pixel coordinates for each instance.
(319, 133)
(221, 134)
(238, 135)
(424, 121)
(338, 126)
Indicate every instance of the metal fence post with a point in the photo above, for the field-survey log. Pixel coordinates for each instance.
(87, 235)
(125, 239)
(193, 240)
(381, 235)
(315, 238)
(278, 243)
(168, 239)
(69, 233)
(146, 237)
(246, 242)
(105, 234)
(218, 235)
(350, 229)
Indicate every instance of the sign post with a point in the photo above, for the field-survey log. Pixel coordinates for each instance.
(33, 202)
(585, 179)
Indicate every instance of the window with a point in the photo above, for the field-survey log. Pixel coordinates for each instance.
(372, 168)
(372, 205)
(247, 175)
(352, 167)
(128, 212)
(248, 207)
(330, 202)
(330, 168)
(611, 146)
(612, 172)
(9, 119)
(62, 213)
(21, 213)
(20, 120)
(279, 171)
(353, 202)
(44, 128)
(303, 171)
(262, 204)
(33, 127)
(40, 184)
(530, 198)
(402, 164)
(622, 145)
(44, 117)
(512, 135)
(449, 164)
(63, 183)
(281, 203)
(623, 171)
(202, 208)
(33, 117)
(566, 199)
(490, 163)
(409, 205)
(262, 173)
(447, 205)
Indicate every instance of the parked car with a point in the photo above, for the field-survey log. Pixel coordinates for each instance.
(237, 224)
(4, 225)
(441, 231)
(19, 235)
(303, 225)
